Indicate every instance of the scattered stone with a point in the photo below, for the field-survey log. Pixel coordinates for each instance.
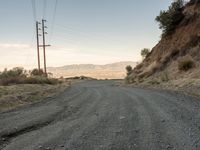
(163, 120)
(40, 146)
(182, 116)
(168, 146)
(48, 148)
(19, 97)
(122, 117)
(136, 130)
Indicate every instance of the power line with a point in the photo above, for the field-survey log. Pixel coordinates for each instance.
(43, 30)
(81, 32)
(86, 36)
(53, 21)
(44, 8)
(34, 9)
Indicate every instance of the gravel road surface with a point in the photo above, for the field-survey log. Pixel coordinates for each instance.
(98, 115)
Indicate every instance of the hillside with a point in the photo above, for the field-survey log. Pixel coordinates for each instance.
(179, 49)
(109, 71)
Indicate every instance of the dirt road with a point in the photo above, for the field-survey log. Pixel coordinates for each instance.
(98, 115)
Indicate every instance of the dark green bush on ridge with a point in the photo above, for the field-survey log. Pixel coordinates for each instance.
(169, 19)
(129, 70)
(145, 52)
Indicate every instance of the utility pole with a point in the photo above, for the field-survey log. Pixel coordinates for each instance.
(38, 49)
(44, 50)
(44, 45)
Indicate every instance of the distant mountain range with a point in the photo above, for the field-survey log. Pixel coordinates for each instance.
(108, 71)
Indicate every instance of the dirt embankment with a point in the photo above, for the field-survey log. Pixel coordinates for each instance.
(162, 67)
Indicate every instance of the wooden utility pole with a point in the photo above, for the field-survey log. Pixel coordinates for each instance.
(38, 48)
(44, 45)
(44, 50)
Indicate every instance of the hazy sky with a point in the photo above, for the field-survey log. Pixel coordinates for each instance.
(84, 31)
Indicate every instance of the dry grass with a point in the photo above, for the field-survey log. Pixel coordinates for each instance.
(22, 94)
(148, 71)
(186, 86)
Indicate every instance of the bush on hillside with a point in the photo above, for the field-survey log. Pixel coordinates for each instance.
(169, 19)
(145, 52)
(129, 70)
(37, 72)
(15, 72)
(186, 63)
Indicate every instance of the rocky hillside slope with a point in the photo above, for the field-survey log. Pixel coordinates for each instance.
(176, 58)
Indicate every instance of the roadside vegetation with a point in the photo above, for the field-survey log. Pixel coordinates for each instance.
(21, 76)
(19, 87)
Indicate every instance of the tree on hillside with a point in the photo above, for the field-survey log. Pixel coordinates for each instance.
(169, 19)
(145, 52)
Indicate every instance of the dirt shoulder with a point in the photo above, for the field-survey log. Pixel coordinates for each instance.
(185, 86)
(18, 95)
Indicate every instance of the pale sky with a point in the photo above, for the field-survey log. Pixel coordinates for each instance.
(84, 31)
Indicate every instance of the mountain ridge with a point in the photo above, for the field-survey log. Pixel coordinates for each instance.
(107, 71)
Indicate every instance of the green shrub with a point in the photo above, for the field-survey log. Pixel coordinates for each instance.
(186, 63)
